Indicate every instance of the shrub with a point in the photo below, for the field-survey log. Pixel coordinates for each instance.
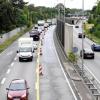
(72, 57)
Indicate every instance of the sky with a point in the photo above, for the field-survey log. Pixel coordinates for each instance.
(88, 4)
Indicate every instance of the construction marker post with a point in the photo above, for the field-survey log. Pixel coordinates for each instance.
(38, 73)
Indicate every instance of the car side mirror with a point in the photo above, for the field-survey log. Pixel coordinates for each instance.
(28, 88)
(7, 88)
(17, 51)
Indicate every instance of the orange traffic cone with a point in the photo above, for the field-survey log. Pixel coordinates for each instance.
(40, 70)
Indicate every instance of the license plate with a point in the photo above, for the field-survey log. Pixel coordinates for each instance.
(16, 99)
(88, 55)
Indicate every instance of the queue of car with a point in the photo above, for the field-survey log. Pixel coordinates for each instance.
(18, 88)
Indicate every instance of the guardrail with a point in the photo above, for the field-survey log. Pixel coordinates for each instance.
(91, 82)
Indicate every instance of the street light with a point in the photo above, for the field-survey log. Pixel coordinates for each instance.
(64, 10)
(82, 73)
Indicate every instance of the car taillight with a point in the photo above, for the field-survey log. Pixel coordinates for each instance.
(24, 95)
(9, 96)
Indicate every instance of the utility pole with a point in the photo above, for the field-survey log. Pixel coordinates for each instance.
(64, 10)
(82, 73)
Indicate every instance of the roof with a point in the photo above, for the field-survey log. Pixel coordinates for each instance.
(18, 81)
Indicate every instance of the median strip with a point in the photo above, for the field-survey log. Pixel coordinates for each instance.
(37, 84)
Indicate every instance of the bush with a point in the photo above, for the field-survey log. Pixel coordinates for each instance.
(72, 57)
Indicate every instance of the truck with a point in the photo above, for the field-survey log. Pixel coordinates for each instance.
(25, 48)
(41, 24)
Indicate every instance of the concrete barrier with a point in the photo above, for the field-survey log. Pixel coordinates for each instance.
(68, 39)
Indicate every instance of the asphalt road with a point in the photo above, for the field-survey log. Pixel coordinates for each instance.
(53, 84)
(92, 65)
(11, 68)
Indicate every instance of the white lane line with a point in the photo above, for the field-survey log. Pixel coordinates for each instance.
(15, 58)
(92, 74)
(12, 64)
(65, 74)
(3, 80)
(8, 71)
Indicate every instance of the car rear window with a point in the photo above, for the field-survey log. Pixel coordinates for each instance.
(17, 86)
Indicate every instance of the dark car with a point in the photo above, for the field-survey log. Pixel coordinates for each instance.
(18, 90)
(95, 47)
(34, 32)
(80, 35)
(36, 37)
(87, 54)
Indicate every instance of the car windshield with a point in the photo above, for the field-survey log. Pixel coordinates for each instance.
(25, 49)
(17, 86)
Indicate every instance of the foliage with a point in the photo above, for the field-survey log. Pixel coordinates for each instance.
(8, 42)
(95, 19)
(72, 57)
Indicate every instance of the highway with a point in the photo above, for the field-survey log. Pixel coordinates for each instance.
(91, 65)
(53, 84)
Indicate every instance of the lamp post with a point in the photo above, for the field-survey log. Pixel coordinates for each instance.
(64, 10)
(82, 73)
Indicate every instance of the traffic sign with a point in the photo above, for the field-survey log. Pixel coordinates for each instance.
(75, 49)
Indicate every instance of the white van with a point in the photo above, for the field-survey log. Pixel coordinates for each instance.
(25, 49)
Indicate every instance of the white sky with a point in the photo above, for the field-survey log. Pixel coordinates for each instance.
(88, 4)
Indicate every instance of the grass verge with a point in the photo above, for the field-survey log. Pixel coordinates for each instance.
(90, 35)
(9, 41)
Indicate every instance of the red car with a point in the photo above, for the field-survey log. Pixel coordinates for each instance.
(18, 90)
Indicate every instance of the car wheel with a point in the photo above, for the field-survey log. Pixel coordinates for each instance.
(93, 57)
(20, 60)
(31, 59)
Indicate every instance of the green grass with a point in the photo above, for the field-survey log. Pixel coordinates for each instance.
(8, 42)
(90, 35)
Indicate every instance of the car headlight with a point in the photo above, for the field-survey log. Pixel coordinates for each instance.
(24, 95)
(29, 55)
(9, 96)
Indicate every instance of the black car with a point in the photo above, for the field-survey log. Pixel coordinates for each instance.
(34, 32)
(36, 37)
(95, 47)
(87, 54)
(80, 35)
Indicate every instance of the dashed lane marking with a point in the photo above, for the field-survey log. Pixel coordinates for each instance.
(12, 64)
(15, 58)
(8, 71)
(3, 80)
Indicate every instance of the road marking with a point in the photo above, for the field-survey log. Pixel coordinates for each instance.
(3, 80)
(15, 58)
(65, 74)
(12, 64)
(38, 60)
(9, 53)
(92, 74)
(8, 71)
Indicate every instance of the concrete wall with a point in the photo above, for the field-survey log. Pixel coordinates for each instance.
(8, 35)
(68, 39)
